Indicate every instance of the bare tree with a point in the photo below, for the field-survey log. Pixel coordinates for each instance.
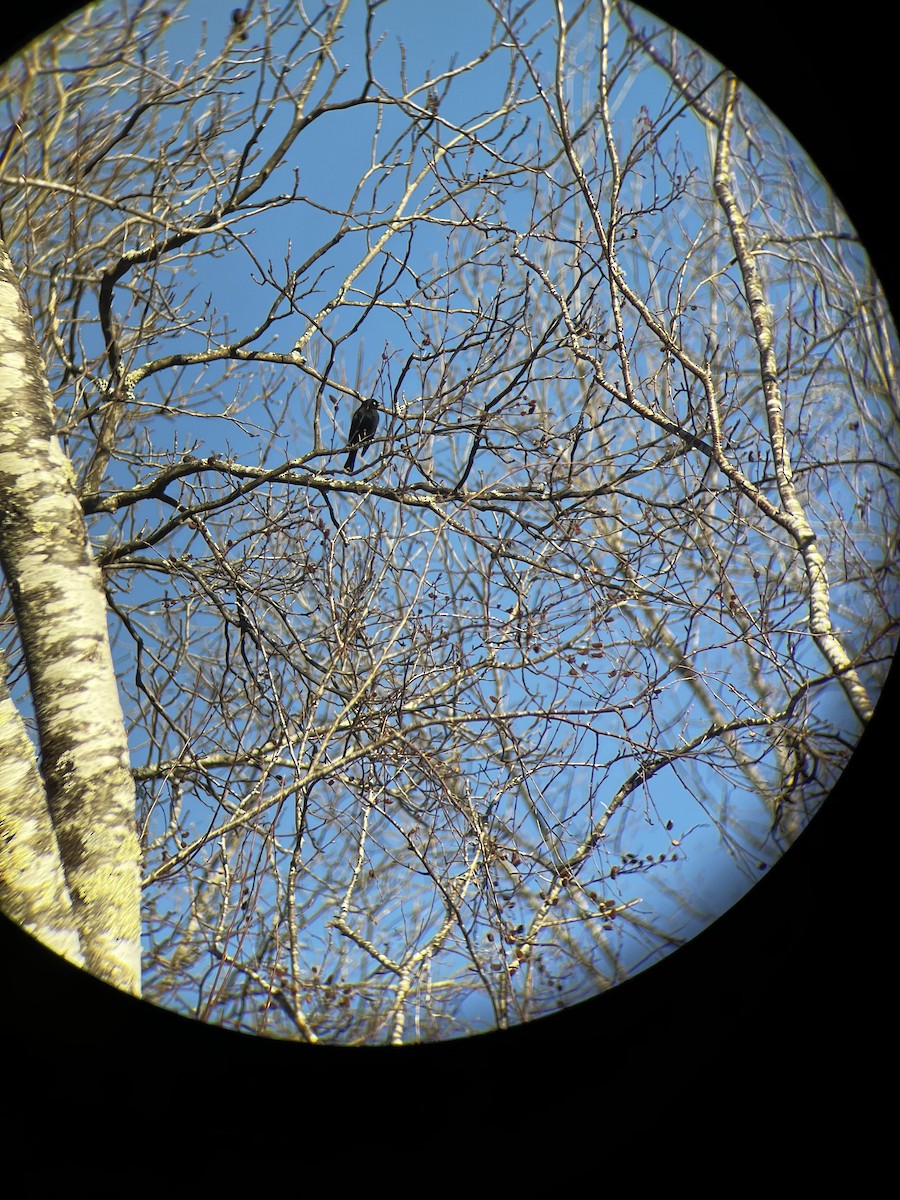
(448, 741)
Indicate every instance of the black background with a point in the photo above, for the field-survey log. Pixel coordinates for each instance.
(783, 1005)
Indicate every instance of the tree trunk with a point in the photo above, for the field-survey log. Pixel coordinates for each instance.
(69, 853)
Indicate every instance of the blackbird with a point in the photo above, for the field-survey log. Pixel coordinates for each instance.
(238, 17)
(362, 430)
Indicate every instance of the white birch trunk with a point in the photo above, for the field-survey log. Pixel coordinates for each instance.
(70, 860)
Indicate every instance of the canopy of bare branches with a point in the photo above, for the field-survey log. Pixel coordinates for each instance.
(463, 735)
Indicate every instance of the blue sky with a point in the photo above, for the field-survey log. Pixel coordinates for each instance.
(332, 154)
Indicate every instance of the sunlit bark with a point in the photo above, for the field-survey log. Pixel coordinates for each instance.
(74, 818)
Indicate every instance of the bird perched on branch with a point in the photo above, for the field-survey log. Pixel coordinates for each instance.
(362, 430)
(238, 18)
